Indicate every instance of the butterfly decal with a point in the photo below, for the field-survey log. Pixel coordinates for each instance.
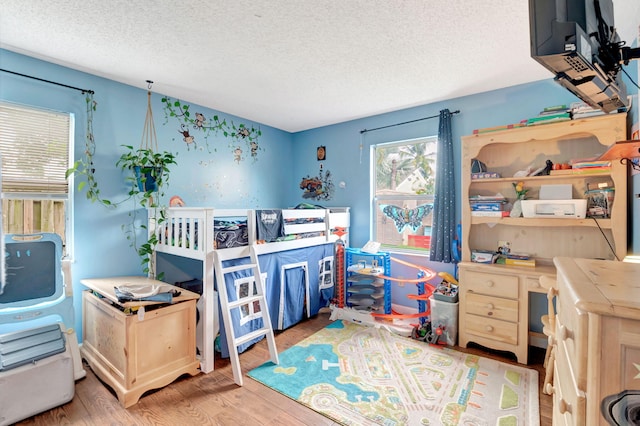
(403, 216)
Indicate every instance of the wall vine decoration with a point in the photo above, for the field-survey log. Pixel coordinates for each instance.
(193, 125)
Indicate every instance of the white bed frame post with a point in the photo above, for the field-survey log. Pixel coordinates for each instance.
(209, 320)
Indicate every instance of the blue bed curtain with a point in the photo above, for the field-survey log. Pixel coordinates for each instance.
(444, 203)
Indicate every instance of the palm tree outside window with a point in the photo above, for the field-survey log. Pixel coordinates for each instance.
(405, 176)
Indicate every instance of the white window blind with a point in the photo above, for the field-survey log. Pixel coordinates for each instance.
(34, 144)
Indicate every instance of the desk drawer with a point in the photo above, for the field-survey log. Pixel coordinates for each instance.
(492, 307)
(501, 331)
(490, 284)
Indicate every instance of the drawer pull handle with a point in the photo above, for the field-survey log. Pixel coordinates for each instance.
(489, 328)
(564, 406)
(490, 306)
(549, 389)
(490, 283)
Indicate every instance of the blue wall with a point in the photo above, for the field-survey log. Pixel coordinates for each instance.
(201, 178)
(214, 179)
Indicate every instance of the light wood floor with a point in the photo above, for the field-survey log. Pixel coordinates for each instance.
(214, 399)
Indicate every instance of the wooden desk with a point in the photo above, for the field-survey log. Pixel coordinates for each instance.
(597, 337)
(137, 346)
(494, 305)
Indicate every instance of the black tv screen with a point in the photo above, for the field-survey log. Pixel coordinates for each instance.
(577, 42)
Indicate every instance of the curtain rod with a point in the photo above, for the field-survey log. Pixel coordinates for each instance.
(49, 81)
(405, 122)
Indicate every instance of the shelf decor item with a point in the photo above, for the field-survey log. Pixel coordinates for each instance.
(521, 194)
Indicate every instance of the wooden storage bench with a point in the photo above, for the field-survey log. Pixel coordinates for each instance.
(134, 352)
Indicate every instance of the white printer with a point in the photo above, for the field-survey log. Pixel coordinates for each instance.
(555, 202)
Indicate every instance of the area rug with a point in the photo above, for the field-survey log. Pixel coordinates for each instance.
(358, 375)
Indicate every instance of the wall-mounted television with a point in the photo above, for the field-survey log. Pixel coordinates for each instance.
(576, 40)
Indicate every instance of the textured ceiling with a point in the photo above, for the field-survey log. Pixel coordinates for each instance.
(290, 64)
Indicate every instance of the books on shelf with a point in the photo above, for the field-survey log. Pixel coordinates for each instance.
(487, 205)
(549, 118)
(508, 260)
(551, 114)
(485, 175)
(591, 164)
(492, 206)
(522, 256)
(585, 167)
(501, 213)
(554, 109)
(486, 198)
(582, 110)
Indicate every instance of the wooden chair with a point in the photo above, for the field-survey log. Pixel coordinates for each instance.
(549, 330)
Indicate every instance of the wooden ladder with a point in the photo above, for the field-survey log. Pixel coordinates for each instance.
(255, 294)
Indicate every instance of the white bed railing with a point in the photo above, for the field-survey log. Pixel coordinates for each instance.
(189, 231)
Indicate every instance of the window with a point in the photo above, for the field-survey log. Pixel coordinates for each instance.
(246, 289)
(325, 272)
(404, 184)
(34, 144)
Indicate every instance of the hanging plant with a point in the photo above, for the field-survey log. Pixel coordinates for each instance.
(148, 176)
(148, 172)
(84, 169)
(200, 124)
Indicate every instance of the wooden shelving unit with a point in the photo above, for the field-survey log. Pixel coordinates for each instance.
(507, 152)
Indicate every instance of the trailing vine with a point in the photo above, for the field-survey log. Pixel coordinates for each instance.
(84, 167)
(198, 123)
(148, 174)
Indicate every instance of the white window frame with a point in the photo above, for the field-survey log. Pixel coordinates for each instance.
(22, 123)
(399, 199)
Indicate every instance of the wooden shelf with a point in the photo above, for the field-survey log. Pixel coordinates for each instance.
(541, 179)
(506, 152)
(551, 222)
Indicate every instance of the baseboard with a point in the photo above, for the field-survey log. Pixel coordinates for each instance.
(538, 340)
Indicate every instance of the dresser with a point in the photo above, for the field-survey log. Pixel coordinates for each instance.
(597, 341)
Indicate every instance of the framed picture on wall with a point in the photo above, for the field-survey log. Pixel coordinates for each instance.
(321, 153)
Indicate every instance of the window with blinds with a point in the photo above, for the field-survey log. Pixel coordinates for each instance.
(34, 144)
(34, 147)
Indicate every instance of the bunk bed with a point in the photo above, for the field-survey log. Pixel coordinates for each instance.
(296, 257)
